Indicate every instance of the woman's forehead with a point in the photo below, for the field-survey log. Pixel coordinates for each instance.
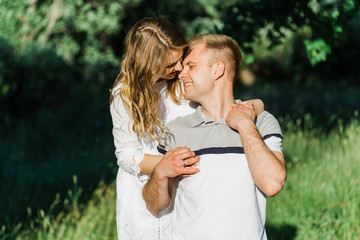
(197, 52)
(174, 55)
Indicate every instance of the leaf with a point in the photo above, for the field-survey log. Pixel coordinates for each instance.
(317, 50)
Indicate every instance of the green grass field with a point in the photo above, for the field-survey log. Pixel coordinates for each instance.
(320, 199)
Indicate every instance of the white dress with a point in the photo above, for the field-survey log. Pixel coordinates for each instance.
(134, 221)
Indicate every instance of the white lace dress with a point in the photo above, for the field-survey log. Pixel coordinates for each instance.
(134, 221)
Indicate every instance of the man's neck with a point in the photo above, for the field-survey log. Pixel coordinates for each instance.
(217, 108)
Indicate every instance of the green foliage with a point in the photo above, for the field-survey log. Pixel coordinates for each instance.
(85, 33)
(284, 41)
(79, 30)
(326, 19)
(8, 66)
(37, 77)
(332, 27)
(317, 50)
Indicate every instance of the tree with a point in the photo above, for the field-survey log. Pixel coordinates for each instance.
(326, 29)
(79, 30)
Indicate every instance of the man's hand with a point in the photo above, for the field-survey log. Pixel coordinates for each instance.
(177, 161)
(241, 116)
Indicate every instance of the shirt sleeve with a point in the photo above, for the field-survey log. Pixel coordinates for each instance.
(274, 143)
(270, 131)
(128, 147)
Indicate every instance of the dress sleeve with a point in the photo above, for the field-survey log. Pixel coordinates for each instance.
(128, 147)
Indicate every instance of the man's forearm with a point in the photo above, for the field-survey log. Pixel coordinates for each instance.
(157, 193)
(267, 168)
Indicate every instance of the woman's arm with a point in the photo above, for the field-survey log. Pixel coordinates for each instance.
(149, 162)
(128, 147)
(258, 105)
(157, 191)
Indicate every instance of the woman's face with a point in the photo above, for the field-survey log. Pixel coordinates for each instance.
(173, 64)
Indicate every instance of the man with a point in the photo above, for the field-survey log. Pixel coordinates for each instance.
(241, 160)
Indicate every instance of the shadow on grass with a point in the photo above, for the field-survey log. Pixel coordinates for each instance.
(284, 232)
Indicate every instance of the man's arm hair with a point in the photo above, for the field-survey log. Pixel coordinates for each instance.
(267, 167)
(157, 193)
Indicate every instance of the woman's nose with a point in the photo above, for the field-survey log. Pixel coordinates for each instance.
(178, 66)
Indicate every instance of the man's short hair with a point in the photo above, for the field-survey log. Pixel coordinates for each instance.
(225, 49)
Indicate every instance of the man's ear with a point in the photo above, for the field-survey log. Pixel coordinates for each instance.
(219, 70)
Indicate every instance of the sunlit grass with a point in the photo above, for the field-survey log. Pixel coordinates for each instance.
(321, 197)
(96, 220)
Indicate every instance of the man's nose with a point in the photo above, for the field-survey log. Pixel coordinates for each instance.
(182, 74)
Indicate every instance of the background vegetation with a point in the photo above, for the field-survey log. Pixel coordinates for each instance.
(58, 58)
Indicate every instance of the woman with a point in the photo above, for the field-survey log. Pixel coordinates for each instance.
(145, 96)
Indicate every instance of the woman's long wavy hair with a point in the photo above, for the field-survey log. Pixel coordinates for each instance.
(147, 46)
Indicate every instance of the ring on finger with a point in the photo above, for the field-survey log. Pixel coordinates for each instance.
(184, 163)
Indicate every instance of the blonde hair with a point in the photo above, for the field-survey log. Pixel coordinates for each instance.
(147, 46)
(224, 49)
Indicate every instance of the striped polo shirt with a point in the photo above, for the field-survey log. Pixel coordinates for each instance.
(221, 201)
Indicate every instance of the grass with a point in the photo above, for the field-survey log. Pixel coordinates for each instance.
(95, 221)
(321, 197)
(319, 200)
(39, 158)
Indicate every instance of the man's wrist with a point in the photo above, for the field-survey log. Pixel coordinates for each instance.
(159, 176)
(247, 127)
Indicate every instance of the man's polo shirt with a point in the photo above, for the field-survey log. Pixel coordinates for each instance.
(221, 201)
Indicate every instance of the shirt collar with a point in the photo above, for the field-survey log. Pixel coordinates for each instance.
(200, 119)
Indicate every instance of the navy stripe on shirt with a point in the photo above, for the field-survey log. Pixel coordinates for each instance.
(272, 135)
(219, 150)
(212, 150)
(222, 150)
